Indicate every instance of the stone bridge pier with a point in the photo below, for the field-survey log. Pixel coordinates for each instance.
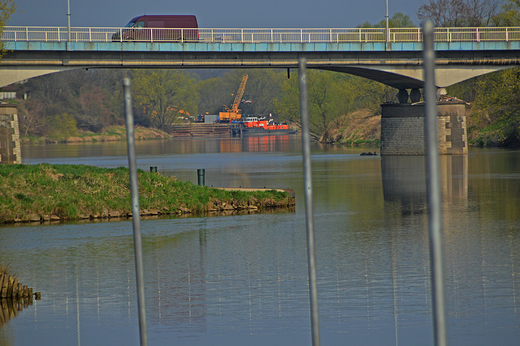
(402, 126)
(10, 151)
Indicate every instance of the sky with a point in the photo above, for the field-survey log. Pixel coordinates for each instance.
(214, 13)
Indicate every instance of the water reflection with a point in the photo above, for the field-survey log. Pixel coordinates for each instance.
(10, 308)
(404, 181)
(177, 294)
(266, 143)
(454, 179)
(39, 153)
(243, 279)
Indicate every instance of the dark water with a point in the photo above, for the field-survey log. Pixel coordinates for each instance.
(242, 280)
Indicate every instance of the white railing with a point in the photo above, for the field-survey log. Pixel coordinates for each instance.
(360, 35)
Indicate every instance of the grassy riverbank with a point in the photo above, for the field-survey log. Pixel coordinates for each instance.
(360, 128)
(71, 192)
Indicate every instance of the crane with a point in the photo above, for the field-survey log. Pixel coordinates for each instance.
(233, 113)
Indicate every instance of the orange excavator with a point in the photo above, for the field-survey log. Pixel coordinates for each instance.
(233, 113)
(177, 110)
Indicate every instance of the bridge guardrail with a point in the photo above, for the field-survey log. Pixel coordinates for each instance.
(360, 35)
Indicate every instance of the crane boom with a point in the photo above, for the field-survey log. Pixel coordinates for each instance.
(233, 113)
(240, 93)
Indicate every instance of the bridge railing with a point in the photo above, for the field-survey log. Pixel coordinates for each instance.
(360, 35)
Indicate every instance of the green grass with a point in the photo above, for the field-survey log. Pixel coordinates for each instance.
(74, 191)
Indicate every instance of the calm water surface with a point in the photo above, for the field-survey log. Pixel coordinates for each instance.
(242, 280)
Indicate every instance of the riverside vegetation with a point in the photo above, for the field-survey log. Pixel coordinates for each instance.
(44, 192)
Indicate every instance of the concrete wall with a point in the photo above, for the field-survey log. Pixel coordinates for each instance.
(10, 150)
(402, 129)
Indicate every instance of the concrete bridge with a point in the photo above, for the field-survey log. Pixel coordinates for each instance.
(393, 59)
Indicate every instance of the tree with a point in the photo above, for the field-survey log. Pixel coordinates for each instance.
(30, 120)
(211, 95)
(93, 97)
(96, 111)
(497, 106)
(7, 8)
(457, 13)
(163, 94)
(331, 96)
(510, 14)
(48, 96)
(62, 126)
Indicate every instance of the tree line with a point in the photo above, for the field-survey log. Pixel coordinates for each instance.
(62, 104)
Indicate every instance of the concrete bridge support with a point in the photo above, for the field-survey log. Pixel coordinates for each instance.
(415, 95)
(10, 150)
(402, 129)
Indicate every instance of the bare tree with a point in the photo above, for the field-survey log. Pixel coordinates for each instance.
(457, 13)
(482, 11)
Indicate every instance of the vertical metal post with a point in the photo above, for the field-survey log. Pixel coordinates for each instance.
(136, 220)
(68, 20)
(307, 177)
(433, 187)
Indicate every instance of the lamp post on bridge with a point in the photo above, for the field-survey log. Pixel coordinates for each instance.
(68, 20)
(387, 30)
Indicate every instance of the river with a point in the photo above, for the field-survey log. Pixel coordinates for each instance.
(242, 279)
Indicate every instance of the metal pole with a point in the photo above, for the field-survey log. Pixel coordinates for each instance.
(201, 175)
(307, 177)
(434, 191)
(136, 220)
(68, 20)
(387, 30)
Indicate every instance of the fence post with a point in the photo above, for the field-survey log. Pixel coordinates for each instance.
(433, 187)
(307, 176)
(134, 192)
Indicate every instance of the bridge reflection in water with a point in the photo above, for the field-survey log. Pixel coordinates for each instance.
(404, 181)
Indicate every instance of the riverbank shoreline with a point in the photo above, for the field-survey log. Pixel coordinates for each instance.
(62, 193)
(110, 134)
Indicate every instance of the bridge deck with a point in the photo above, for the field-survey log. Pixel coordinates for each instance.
(257, 47)
(257, 40)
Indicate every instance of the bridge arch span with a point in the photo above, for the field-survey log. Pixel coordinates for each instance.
(412, 78)
(396, 77)
(12, 75)
(399, 69)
